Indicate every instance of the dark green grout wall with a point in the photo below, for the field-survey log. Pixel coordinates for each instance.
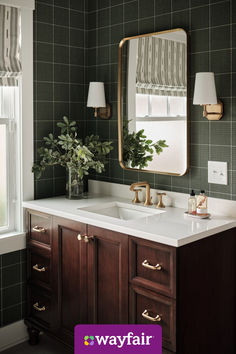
(212, 30)
(12, 287)
(78, 43)
(59, 77)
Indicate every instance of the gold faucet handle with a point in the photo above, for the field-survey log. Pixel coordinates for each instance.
(136, 199)
(160, 203)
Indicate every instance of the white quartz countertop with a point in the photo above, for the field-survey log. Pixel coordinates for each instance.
(172, 227)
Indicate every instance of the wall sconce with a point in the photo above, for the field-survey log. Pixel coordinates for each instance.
(96, 99)
(205, 94)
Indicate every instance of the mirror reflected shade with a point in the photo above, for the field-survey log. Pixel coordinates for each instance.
(153, 104)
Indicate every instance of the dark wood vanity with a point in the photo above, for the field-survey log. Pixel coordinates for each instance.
(79, 273)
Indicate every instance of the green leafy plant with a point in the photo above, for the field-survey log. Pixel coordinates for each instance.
(137, 149)
(68, 150)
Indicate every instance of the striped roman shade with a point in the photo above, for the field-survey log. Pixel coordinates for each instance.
(161, 67)
(10, 63)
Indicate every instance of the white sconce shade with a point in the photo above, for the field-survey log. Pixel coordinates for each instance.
(205, 89)
(96, 95)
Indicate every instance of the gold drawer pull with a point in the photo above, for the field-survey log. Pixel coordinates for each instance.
(36, 267)
(37, 308)
(149, 266)
(145, 314)
(84, 238)
(39, 229)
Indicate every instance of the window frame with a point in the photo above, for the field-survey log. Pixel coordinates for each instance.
(13, 164)
(24, 140)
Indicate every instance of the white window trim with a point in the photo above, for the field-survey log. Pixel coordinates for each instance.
(26, 180)
(152, 118)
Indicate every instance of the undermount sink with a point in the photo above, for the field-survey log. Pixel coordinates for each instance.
(122, 211)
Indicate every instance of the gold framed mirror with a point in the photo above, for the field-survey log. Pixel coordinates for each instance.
(153, 103)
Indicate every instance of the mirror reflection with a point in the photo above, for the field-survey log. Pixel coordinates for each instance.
(154, 118)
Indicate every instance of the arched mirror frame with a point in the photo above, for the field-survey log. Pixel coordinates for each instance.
(121, 98)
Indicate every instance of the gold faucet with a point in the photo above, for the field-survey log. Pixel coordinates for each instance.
(148, 200)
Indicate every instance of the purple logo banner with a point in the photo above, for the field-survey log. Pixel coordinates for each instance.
(118, 338)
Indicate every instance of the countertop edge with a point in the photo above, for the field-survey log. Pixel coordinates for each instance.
(129, 231)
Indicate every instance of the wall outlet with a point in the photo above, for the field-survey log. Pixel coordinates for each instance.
(217, 172)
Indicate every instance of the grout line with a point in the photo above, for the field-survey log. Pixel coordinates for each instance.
(150, 18)
(17, 304)
(57, 6)
(130, 1)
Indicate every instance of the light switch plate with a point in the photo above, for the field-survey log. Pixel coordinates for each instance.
(217, 172)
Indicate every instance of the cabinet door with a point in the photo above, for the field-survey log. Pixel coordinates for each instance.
(70, 275)
(107, 276)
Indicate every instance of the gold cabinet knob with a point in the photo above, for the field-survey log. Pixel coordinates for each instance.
(136, 198)
(146, 264)
(79, 237)
(36, 267)
(146, 315)
(37, 308)
(160, 204)
(88, 238)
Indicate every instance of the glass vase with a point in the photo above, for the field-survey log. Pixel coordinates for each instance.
(74, 185)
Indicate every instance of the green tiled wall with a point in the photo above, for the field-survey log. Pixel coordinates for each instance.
(76, 41)
(59, 74)
(12, 287)
(212, 29)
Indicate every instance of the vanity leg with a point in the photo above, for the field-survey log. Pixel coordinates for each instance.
(33, 335)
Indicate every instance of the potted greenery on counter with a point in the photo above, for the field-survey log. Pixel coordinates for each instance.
(78, 157)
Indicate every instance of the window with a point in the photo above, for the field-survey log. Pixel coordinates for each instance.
(9, 155)
(160, 106)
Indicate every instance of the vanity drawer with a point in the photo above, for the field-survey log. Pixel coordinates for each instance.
(40, 227)
(152, 266)
(40, 306)
(39, 266)
(146, 306)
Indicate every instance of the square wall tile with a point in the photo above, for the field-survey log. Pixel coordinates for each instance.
(146, 8)
(162, 7)
(10, 275)
(220, 37)
(130, 11)
(220, 13)
(220, 134)
(180, 5)
(199, 41)
(10, 258)
(181, 19)
(200, 17)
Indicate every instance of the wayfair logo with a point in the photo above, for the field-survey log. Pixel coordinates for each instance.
(108, 339)
(119, 341)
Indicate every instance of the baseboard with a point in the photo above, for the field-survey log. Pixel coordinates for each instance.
(12, 334)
